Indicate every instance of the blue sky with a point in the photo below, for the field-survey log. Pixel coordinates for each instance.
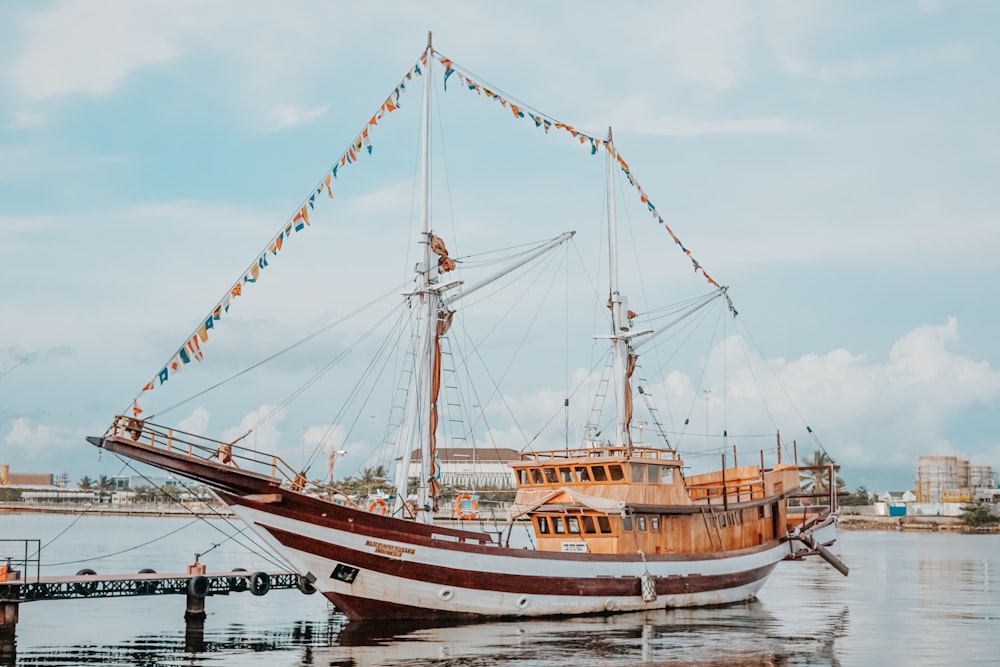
(835, 163)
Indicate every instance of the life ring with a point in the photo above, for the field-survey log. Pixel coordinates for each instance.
(466, 507)
(378, 506)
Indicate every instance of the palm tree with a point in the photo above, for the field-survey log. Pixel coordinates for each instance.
(363, 485)
(104, 485)
(817, 479)
(85, 483)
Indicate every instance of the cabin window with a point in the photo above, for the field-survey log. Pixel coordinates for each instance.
(572, 525)
(654, 524)
(588, 524)
(543, 525)
(600, 474)
(557, 525)
(722, 520)
(638, 473)
(522, 476)
(550, 475)
(760, 512)
(617, 474)
(604, 524)
(654, 474)
(536, 476)
(627, 523)
(640, 523)
(666, 475)
(566, 474)
(582, 473)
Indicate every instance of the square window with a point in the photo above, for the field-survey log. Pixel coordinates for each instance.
(617, 474)
(572, 525)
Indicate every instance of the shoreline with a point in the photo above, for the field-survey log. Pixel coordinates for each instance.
(850, 522)
(943, 524)
(157, 510)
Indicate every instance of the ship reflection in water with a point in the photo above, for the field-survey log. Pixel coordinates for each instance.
(734, 636)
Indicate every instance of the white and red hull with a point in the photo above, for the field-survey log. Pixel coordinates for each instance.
(441, 572)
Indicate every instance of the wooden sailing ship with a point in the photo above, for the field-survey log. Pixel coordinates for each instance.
(615, 523)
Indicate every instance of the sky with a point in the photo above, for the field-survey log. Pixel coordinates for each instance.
(834, 163)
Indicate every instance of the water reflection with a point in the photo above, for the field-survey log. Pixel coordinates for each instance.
(734, 636)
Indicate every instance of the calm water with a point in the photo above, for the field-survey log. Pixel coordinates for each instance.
(911, 599)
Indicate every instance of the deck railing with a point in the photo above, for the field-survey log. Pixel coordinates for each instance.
(206, 449)
(608, 451)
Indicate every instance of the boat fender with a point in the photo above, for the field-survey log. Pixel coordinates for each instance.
(147, 587)
(378, 506)
(198, 586)
(85, 587)
(238, 584)
(522, 602)
(446, 594)
(305, 586)
(260, 583)
(466, 507)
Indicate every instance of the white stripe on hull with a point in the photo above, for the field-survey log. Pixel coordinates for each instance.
(373, 585)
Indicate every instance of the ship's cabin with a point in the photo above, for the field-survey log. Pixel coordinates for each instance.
(610, 499)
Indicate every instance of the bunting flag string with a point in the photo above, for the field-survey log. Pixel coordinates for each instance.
(547, 123)
(361, 145)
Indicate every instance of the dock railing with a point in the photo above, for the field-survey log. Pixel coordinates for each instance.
(20, 560)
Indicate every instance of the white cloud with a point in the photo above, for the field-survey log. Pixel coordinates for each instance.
(287, 116)
(636, 119)
(22, 432)
(197, 422)
(91, 47)
(258, 428)
(39, 441)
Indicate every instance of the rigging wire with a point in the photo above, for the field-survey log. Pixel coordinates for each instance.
(520, 345)
(124, 551)
(267, 557)
(288, 348)
(358, 386)
(774, 375)
(82, 512)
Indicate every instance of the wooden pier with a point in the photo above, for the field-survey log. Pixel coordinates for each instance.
(22, 583)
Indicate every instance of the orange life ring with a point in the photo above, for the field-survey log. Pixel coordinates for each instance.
(378, 506)
(466, 507)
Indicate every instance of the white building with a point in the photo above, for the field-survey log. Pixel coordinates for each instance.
(469, 467)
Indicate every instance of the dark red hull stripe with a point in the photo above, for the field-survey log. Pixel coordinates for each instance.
(360, 609)
(310, 510)
(511, 583)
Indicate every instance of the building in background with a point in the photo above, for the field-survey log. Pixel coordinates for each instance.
(945, 483)
(469, 468)
(30, 479)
